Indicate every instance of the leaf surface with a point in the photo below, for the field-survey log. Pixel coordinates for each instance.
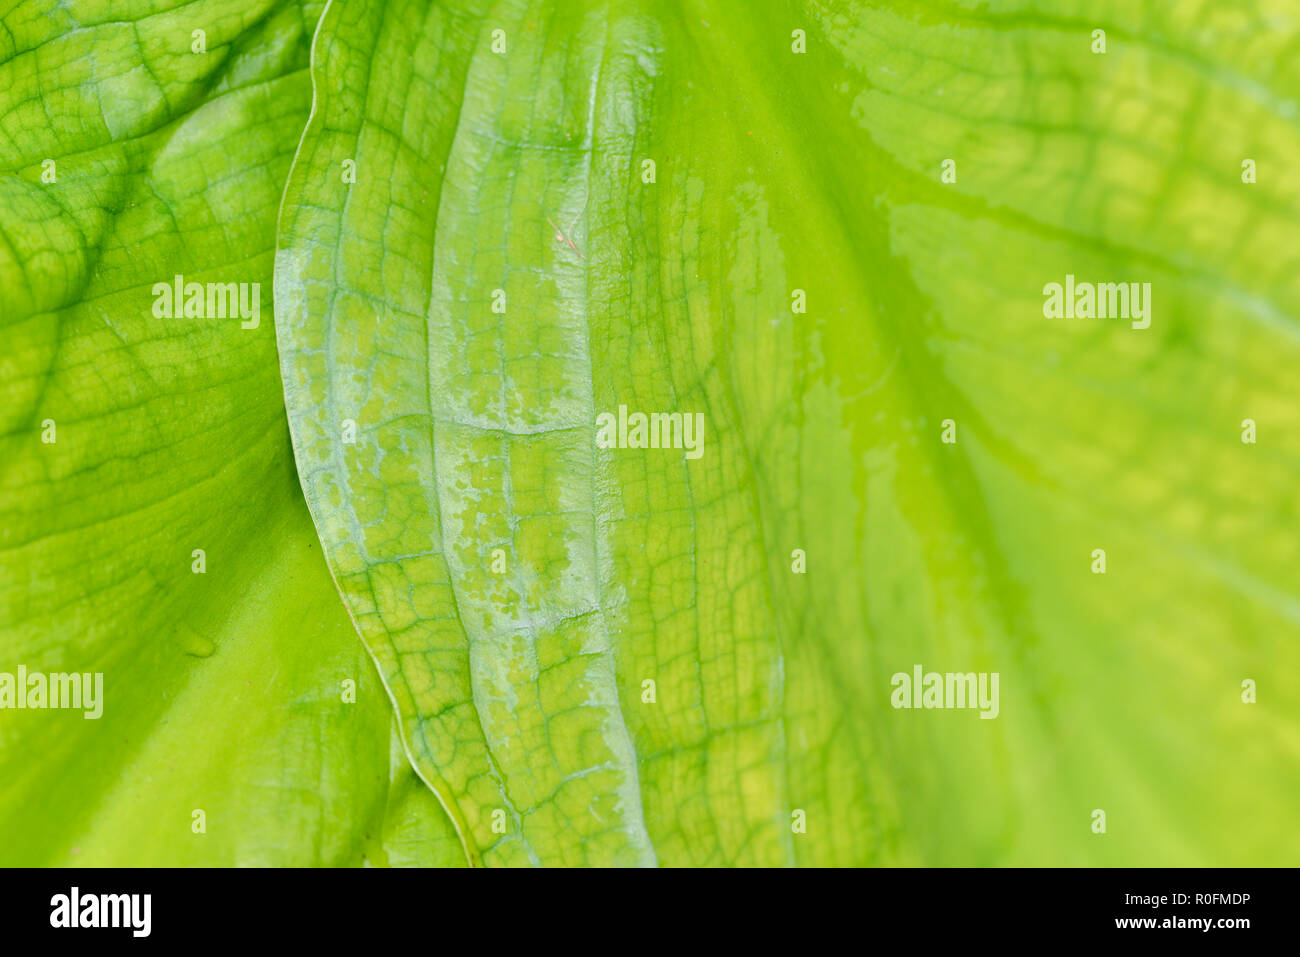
(503, 270)
(222, 690)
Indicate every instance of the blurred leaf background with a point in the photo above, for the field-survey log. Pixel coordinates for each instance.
(796, 146)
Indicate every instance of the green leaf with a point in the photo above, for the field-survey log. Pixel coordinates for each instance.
(513, 161)
(223, 691)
